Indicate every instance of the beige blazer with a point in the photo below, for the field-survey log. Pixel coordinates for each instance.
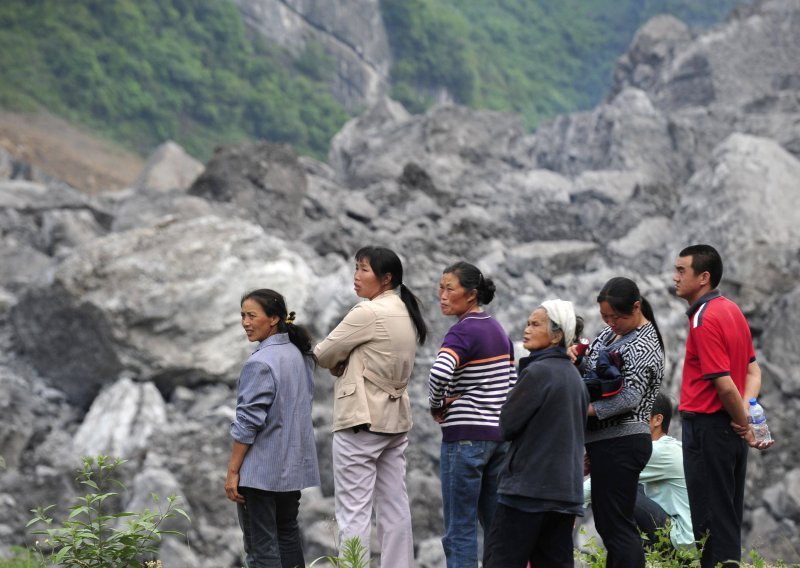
(378, 342)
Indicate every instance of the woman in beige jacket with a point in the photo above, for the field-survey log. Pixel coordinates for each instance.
(371, 354)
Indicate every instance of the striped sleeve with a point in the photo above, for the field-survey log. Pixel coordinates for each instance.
(441, 376)
(483, 386)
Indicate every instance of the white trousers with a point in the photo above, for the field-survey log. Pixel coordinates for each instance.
(369, 471)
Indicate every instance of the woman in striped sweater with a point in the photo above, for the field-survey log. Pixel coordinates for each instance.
(618, 440)
(468, 385)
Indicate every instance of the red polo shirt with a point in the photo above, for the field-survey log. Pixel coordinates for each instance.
(719, 343)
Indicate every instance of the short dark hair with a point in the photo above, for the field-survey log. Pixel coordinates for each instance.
(705, 258)
(663, 406)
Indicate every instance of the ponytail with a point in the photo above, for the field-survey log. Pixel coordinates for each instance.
(412, 305)
(647, 311)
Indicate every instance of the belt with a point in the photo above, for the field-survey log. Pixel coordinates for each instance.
(717, 414)
(365, 428)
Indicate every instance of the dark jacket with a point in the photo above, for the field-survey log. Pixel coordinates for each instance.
(544, 418)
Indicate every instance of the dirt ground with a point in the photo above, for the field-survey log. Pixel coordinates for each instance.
(64, 151)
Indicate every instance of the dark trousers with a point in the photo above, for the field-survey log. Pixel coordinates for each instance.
(517, 537)
(615, 467)
(649, 516)
(715, 465)
(269, 524)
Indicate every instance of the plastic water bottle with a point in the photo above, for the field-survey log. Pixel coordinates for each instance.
(759, 421)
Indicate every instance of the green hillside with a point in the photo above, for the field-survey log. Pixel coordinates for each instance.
(142, 71)
(538, 58)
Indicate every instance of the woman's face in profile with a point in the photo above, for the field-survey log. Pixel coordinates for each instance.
(453, 299)
(537, 335)
(256, 323)
(365, 282)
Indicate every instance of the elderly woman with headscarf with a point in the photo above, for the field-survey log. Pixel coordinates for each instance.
(541, 483)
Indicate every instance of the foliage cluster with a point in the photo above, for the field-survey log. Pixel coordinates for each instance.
(92, 536)
(533, 57)
(663, 555)
(352, 555)
(143, 71)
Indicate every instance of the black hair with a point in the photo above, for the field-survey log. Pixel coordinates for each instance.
(621, 294)
(274, 304)
(663, 406)
(471, 278)
(705, 258)
(385, 261)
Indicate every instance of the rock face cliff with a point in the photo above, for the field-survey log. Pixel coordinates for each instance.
(119, 312)
(350, 32)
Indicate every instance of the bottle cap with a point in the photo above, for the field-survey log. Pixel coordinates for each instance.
(753, 402)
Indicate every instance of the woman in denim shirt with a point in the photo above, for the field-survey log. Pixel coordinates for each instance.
(274, 454)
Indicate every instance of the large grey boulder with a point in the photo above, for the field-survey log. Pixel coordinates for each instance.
(628, 134)
(782, 342)
(652, 47)
(144, 208)
(66, 341)
(39, 221)
(159, 303)
(744, 61)
(168, 167)
(445, 141)
(739, 77)
(739, 204)
(265, 181)
(121, 420)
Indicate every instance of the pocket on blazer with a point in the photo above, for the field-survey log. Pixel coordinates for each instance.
(345, 389)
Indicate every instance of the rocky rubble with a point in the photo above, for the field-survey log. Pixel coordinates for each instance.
(119, 312)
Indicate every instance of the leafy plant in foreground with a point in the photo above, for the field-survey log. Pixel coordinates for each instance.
(91, 537)
(664, 555)
(353, 555)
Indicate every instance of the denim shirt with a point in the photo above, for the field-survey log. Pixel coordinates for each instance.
(273, 417)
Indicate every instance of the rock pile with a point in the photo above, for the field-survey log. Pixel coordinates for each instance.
(119, 312)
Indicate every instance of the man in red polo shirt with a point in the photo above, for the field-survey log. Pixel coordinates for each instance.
(720, 374)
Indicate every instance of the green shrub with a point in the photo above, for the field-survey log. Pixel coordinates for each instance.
(90, 537)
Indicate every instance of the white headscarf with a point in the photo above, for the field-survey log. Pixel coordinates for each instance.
(562, 313)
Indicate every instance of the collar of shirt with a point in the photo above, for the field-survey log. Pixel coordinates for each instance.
(275, 339)
(715, 293)
(555, 351)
